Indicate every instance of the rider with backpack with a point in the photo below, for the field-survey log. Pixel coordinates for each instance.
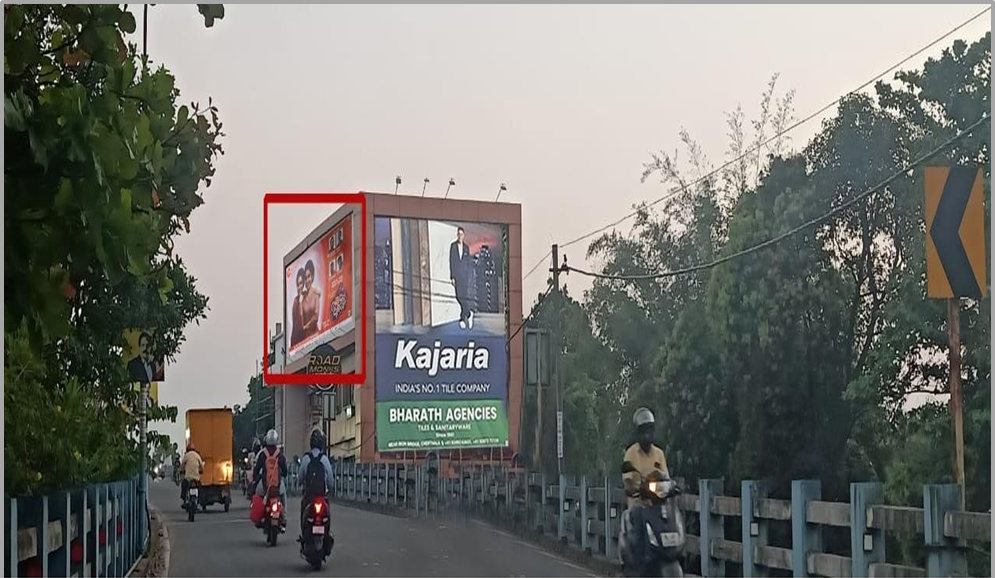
(271, 471)
(316, 468)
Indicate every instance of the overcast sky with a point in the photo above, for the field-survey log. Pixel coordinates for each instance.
(562, 103)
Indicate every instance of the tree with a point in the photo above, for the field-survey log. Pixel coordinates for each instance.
(102, 171)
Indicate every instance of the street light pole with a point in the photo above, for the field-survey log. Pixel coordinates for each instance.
(452, 183)
(424, 186)
(502, 189)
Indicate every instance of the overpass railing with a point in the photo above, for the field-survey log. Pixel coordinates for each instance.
(99, 531)
(765, 533)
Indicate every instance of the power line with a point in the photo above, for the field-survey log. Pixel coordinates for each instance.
(534, 310)
(774, 240)
(754, 149)
(536, 266)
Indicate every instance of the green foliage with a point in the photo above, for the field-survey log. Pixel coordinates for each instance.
(102, 170)
(801, 359)
(244, 417)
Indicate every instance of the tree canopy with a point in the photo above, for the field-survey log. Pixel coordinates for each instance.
(103, 169)
(804, 359)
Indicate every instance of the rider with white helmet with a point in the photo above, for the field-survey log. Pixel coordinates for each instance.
(271, 471)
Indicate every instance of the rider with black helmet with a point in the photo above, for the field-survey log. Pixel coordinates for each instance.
(317, 481)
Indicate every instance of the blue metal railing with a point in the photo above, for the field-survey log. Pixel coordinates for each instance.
(99, 530)
(584, 513)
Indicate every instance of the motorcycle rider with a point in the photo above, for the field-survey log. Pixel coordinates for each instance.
(193, 466)
(250, 479)
(316, 472)
(270, 469)
(641, 457)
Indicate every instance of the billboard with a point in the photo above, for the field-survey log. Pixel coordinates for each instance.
(318, 292)
(440, 290)
(137, 355)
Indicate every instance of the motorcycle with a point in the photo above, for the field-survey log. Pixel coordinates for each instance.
(316, 533)
(271, 519)
(193, 499)
(655, 536)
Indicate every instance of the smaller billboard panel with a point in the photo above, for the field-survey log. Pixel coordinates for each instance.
(137, 356)
(319, 292)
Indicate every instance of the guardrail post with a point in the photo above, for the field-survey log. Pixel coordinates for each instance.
(541, 514)
(584, 545)
(561, 526)
(805, 537)
(944, 556)
(754, 527)
(610, 513)
(41, 545)
(81, 529)
(90, 545)
(113, 543)
(10, 546)
(63, 516)
(711, 527)
(867, 545)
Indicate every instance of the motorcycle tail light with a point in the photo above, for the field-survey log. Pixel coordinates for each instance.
(317, 507)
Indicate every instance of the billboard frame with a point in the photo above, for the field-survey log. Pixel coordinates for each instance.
(355, 379)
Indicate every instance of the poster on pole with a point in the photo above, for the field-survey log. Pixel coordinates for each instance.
(441, 354)
(137, 356)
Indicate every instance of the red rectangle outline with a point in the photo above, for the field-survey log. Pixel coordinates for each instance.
(314, 378)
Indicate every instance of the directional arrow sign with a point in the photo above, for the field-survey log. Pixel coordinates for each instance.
(955, 233)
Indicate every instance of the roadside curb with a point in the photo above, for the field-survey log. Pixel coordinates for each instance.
(163, 551)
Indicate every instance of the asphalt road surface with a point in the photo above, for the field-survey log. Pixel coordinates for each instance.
(366, 544)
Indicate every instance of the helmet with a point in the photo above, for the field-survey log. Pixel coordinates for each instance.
(271, 438)
(255, 445)
(643, 417)
(317, 439)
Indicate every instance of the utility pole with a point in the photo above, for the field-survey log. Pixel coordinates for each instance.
(555, 346)
(143, 403)
(956, 395)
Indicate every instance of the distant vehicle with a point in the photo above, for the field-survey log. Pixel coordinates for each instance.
(210, 430)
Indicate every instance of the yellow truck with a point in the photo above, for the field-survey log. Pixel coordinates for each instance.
(210, 430)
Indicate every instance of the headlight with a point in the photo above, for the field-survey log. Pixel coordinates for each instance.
(653, 487)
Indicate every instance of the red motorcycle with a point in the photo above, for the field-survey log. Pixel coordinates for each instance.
(316, 533)
(271, 519)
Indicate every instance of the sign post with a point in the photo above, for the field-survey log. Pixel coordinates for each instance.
(955, 269)
(559, 435)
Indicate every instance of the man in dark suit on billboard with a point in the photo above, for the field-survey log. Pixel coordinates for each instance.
(459, 273)
(141, 368)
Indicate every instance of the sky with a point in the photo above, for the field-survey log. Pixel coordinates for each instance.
(562, 103)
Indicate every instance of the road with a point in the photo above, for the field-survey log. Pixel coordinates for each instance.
(366, 544)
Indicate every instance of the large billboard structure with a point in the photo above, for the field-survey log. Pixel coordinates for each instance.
(443, 376)
(441, 334)
(444, 278)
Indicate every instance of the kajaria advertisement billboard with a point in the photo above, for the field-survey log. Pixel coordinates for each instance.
(441, 361)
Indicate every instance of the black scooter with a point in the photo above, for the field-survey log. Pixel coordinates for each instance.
(316, 533)
(655, 539)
